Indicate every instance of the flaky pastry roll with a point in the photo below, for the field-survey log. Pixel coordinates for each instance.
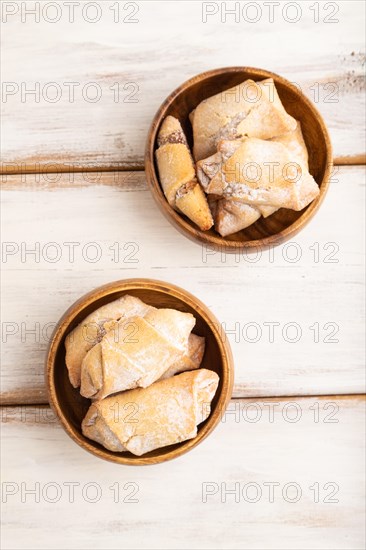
(136, 353)
(232, 215)
(251, 109)
(142, 420)
(88, 333)
(191, 359)
(264, 173)
(177, 174)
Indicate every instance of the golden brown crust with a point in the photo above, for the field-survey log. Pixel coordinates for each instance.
(207, 169)
(248, 109)
(88, 333)
(192, 201)
(175, 168)
(136, 353)
(295, 144)
(190, 361)
(177, 174)
(233, 216)
(142, 420)
(263, 173)
(171, 132)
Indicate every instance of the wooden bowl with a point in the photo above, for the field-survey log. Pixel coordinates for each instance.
(283, 224)
(71, 407)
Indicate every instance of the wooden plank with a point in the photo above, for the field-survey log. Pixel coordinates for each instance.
(315, 467)
(65, 130)
(118, 233)
(47, 181)
(351, 160)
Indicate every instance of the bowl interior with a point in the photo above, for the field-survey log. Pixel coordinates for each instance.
(188, 97)
(74, 406)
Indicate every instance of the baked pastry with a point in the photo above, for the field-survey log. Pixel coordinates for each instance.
(191, 359)
(232, 215)
(192, 202)
(80, 340)
(177, 174)
(136, 353)
(251, 109)
(165, 413)
(251, 159)
(208, 167)
(106, 319)
(295, 144)
(263, 173)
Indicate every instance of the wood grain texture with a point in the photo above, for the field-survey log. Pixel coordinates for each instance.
(90, 223)
(258, 444)
(146, 60)
(53, 181)
(119, 234)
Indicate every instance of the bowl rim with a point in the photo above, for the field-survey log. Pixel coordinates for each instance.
(216, 241)
(125, 285)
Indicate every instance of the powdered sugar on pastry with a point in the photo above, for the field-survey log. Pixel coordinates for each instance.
(88, 333)
(248, 109)
(165, 413)
(137, 353)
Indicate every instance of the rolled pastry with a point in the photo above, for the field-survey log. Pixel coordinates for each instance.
(264, 173)
(293, 141)
(136, 353)
(251, 109)
(190, 360)
(142, 420)
(267, 210)
(177, 174)
(192, 202)
(232, 216)
(295, 144)
(80, 340)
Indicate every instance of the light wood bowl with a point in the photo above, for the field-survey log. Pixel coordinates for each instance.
(283, 224)
(71, 407)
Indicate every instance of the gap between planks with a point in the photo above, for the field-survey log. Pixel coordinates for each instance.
(18, 169)
(10, 399)
(12, 413)
(129, 180)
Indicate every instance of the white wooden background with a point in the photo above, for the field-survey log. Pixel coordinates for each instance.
(73, 173)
